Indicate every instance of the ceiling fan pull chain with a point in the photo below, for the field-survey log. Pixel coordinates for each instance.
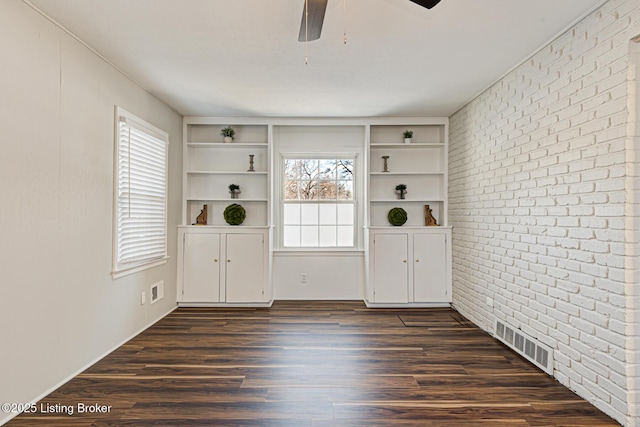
(345, 21)
(306, 32)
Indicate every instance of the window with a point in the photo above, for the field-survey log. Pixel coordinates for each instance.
(140, 237)
(318, 202)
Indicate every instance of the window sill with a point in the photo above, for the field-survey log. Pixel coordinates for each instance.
(310, 252)
(138, 268)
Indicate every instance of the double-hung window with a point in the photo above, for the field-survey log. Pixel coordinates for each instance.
(318, 202)
(140, 222)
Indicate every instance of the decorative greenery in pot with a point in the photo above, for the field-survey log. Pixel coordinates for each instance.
(408, 134)
(234, 214)
(234, 189)
(397, 216)
(228, 134)
(401, 189)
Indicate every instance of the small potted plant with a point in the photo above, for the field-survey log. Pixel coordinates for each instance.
(408, 134)
(234, 190)
(401, 189)
(228, 133)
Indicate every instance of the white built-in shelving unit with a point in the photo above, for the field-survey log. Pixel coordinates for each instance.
(420, 165)
(408, 265)
(220, 264)
(211, 165)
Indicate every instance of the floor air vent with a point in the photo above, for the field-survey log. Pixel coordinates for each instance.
(530, 348)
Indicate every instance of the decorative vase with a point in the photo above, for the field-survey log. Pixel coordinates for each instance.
(228, 139)
(407, 140)
(234, 193)
(401, 193)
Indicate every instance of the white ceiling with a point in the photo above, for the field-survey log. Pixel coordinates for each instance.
(242, 57)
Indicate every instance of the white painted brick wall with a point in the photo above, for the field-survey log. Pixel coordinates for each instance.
(631, 262)
(544, 196)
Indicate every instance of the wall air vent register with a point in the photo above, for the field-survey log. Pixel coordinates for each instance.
(530, 348)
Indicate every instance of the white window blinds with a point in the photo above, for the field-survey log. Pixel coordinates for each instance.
(141, 198)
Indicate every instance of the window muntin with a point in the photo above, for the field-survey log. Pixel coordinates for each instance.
(318, 202)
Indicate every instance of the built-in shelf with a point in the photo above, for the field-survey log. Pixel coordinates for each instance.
(211, 165)
(406, 173)
(420, 165)
(424, 201)
(410, 146)
(226, 173)
(209, 227)
(227, 200)
(434, 228)
(225, 145)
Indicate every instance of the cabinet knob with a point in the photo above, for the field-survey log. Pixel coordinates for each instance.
(228, 260)
(417, 260)
(404, 260)
(215, 260)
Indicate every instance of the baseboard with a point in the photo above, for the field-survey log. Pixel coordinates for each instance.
(369, 304)
(88, 365)
(408, 305)
(226, 304)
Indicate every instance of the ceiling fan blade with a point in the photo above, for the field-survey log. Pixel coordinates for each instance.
(317, 8)
(426, 3)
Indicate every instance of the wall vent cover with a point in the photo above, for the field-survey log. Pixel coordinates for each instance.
(530, 348)
(157, 291)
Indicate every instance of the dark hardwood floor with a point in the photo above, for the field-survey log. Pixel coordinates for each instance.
(315, 364)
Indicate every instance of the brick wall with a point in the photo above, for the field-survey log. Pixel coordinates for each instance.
(633, 235)
(538, 167)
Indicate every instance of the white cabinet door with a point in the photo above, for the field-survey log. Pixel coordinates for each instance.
(390, 268)
(245, 266)
(201, 268)
(430, 268)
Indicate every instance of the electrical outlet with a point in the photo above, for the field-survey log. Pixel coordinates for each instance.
(143, 298)
(303, 278)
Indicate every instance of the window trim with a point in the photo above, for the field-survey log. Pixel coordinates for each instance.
(355, 202)
(119, 270)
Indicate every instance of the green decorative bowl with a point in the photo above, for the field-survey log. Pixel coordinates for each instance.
(397, 216)
(235, 214)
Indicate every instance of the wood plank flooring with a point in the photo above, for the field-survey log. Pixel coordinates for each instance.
(316, 364)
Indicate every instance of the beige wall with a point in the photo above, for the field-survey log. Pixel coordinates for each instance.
(60, 310)
(330, 275)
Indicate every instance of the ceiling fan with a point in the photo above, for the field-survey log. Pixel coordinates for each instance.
(316, 10)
